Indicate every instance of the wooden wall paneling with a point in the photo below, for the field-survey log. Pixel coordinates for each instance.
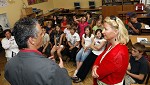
(129, 7)
(111, 10)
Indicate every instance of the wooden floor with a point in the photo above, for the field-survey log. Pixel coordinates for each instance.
(69, 66)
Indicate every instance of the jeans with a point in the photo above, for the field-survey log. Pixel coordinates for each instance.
(81, 55)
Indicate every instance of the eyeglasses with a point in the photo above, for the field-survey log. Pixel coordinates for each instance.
(112, 17)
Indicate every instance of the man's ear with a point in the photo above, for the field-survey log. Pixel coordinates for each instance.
(31, 41)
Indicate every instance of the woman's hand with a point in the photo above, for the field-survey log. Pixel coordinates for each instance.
(71, 47)
(85, 49)
(94, 73)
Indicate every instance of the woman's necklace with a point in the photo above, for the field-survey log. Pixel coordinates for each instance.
(108, 50)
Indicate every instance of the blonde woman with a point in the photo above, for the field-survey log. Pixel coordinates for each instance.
(110, 66)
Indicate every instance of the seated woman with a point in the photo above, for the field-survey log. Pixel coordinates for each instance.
(98, 46)
(64, 23)
(48, 26)
(97, 26)
(55, 21)
(46, 46)
(85, 50)
(58, 46)
(90, 19)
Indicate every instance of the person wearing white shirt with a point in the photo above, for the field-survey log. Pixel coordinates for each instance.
(73, 42)
(45, 47)
(98, 45)
(85, 50)
(67, 31)
(9, 44)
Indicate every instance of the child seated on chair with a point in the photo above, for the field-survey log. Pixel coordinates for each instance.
(46, 44)
(58, 46)
(86, 42)
(97, 26)
(138, 65)
(73, 42)
(98, 45)
(134, 25)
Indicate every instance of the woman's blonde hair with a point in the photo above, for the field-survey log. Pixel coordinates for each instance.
(117, 23)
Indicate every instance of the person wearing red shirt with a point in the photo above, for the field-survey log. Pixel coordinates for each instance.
(64, 23)
(110, 66)
(82, 23)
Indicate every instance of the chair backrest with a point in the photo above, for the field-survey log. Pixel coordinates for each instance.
(148, 75)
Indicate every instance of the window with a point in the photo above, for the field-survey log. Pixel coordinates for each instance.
(77, 5)
(147, 1)
(91, 4)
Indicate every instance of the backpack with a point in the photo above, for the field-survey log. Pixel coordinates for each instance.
(139, 7)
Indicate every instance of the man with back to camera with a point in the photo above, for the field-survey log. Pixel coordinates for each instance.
(9, 44)
(29, 67)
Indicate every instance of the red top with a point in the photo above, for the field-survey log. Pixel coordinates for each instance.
(64, 24)
(81, 28)
(114, 65)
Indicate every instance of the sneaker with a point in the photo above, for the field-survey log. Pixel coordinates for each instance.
(74, 78)
(77, 80)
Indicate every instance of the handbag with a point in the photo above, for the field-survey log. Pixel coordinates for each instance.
(139, 6)
(129, 80)
(100, 83)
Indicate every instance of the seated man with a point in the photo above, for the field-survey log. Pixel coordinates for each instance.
(134, 25)
(138, 64)
(9, 44)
